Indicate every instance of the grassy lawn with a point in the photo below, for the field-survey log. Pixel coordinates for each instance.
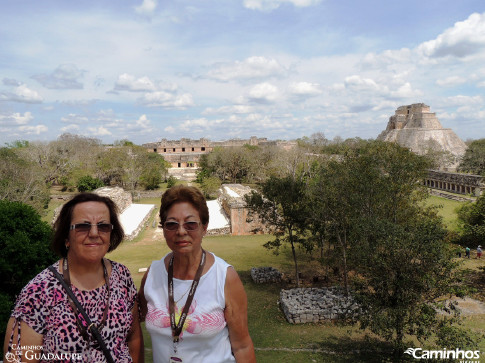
(447, 210)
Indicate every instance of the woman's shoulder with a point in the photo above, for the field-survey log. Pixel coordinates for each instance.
(120, 271)
(220, 262)
(40, 290)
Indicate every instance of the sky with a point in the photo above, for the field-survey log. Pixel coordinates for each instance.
(145, 70)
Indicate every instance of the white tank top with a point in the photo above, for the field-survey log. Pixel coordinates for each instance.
(205, 337)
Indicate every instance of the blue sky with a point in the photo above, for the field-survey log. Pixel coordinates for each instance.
(144, 70)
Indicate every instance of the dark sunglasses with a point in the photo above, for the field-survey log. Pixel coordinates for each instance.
(86, 227)
(188, 226)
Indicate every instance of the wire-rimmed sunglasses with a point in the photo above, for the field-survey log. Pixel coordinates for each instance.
(188, 226)
(86, 227)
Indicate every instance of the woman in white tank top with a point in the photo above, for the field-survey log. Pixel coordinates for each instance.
(194, 302)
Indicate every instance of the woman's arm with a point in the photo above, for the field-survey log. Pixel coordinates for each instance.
(29, 339)
(236, 314)
(141, 297)
(135, 339)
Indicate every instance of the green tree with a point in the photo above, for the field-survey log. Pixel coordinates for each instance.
(474, 159)
(281, 207)
(372, 201)
(63, 160)
(471, 221)
(25, 245)
(20, 181)
(210, 186)
(154, 171)
(87, 183)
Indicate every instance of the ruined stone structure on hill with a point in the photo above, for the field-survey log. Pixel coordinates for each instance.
(415, 127)
(184, 154)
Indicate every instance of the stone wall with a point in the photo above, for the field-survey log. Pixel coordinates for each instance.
(313, 305)
(262, 275)
(118, 195)
(121, 198)
(234, 205)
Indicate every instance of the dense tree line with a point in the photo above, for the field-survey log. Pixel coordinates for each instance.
(25, 245)
(29, 169)
(364, 209)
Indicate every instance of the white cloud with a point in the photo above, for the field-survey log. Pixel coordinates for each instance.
(70, 128)
(75, 119)
(450, 81)
(128, 82)
(167, 100)
(250, 68)
(462, 100)
(463, 39)
(143, 122)
(169, 129)
(64, 76)
(266, 5)
(406, 91)
(37, 130)
(16, 119)
(99, 131)
(22, 94)
(228, 110)
(359, 83)
(190, 125)
(263, 92)
(304, 89)
(147, 7)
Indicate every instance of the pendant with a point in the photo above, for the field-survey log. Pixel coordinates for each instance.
(175, 360)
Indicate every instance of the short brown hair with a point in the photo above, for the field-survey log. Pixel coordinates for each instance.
(62, 224)
(182, 193)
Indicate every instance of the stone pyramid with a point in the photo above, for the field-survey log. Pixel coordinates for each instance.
(415, 127)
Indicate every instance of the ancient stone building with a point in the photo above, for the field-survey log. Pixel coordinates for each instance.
(234, 205)
(467, 184)
(415, 127)
(184, 154)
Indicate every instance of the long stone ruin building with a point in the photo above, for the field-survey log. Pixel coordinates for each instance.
(184, 154)
(415, 127)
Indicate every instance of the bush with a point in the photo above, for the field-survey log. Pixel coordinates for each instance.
(210, 186)
(88, 183)
(25, 245)
(171, 181)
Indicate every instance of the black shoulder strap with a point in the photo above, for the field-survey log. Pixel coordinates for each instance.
(91, 326)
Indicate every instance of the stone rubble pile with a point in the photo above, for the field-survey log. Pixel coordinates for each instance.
(261, 275)
(218, 231)
(118, 195)
(313, 305)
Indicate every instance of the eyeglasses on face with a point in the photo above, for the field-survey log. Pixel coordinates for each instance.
(188, 226)
(86, 227)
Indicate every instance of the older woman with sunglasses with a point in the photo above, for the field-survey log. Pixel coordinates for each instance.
(195, 303)
(46, 324)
